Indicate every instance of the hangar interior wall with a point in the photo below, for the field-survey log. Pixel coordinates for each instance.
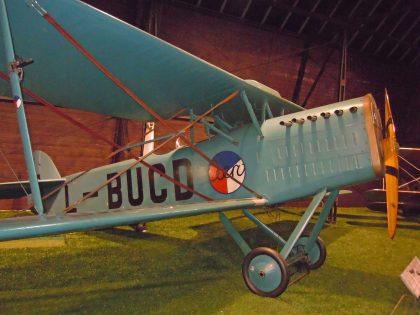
(246, 51)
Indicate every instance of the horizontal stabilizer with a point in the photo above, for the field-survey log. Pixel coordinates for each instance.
(14, 190)
(25, 227)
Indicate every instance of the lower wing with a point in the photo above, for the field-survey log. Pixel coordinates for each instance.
(24, 227)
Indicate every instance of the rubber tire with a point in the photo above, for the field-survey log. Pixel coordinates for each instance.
(319, 243)
(273, 256)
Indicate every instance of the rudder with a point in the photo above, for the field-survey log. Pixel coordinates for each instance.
(45, 167)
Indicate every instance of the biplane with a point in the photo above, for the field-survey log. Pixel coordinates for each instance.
(261, 150)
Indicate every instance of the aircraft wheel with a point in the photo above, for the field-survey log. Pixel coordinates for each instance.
(318, 253)
(265, 272)
(139, 227)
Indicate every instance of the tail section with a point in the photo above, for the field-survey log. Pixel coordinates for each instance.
(48, 176)
(45, 168)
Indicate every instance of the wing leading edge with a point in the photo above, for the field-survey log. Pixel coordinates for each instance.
(25, 227)
(165, 77)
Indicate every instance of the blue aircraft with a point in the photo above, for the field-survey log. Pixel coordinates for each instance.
(262, 149)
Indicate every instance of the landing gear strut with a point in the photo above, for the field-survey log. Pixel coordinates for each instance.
(316, 255)
(267, 272)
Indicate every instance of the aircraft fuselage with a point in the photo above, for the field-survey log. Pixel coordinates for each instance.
(340, 148)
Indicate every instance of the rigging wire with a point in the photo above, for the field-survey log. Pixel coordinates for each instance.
(270, 61)
(141, 159)
(130, 93)
(409, 175)
(408, 162)
(99, 136)
(13, 171)
(414, 179)
(93, 133)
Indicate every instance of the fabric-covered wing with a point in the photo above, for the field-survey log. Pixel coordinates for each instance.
(24, 227)
(165, 77)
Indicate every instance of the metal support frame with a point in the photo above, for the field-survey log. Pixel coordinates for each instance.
(267, 13)
(17, 96)
(251, 113)
(120, 137)
(223, 124)
(269, 232)
(400, 20)
(302, 27)
(267, 111)
(303, 222)
(288, 246)
(353, 37)
(321, 219)
(379, 25)
(134, 145)
(343, 70)
(283, 24)
(192, 130)
(243, 245)
(222, 7)
(244, 12)
(413, 25)
(209, 127)
(319, 75)
(330, 15)
(301, 72)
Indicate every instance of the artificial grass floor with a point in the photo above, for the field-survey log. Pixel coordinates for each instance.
(191, 266)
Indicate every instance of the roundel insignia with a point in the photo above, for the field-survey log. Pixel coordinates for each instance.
(17, 101)
(231, 174)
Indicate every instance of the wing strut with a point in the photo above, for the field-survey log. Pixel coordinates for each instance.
(119, 148)
(251, 113)
(15, 66)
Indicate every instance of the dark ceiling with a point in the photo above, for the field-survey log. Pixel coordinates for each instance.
(386, 29)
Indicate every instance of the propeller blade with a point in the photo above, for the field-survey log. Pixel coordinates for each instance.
(391, 168)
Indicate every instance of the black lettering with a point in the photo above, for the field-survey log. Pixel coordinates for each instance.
(114, 191)
(163, 193)
(179, 193)
(131, 199)
(237, 170)
(66, 195)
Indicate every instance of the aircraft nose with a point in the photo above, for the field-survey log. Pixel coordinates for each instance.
(375, 135)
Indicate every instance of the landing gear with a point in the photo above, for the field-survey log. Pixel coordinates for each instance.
(265, 272)
(139, 227)
(318, 253)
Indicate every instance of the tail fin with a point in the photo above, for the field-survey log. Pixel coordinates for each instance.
(45, 167)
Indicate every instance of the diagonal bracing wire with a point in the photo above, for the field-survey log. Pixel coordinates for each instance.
(129, 92)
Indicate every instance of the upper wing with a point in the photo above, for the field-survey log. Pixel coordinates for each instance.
(24, 227)
(168, 79)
